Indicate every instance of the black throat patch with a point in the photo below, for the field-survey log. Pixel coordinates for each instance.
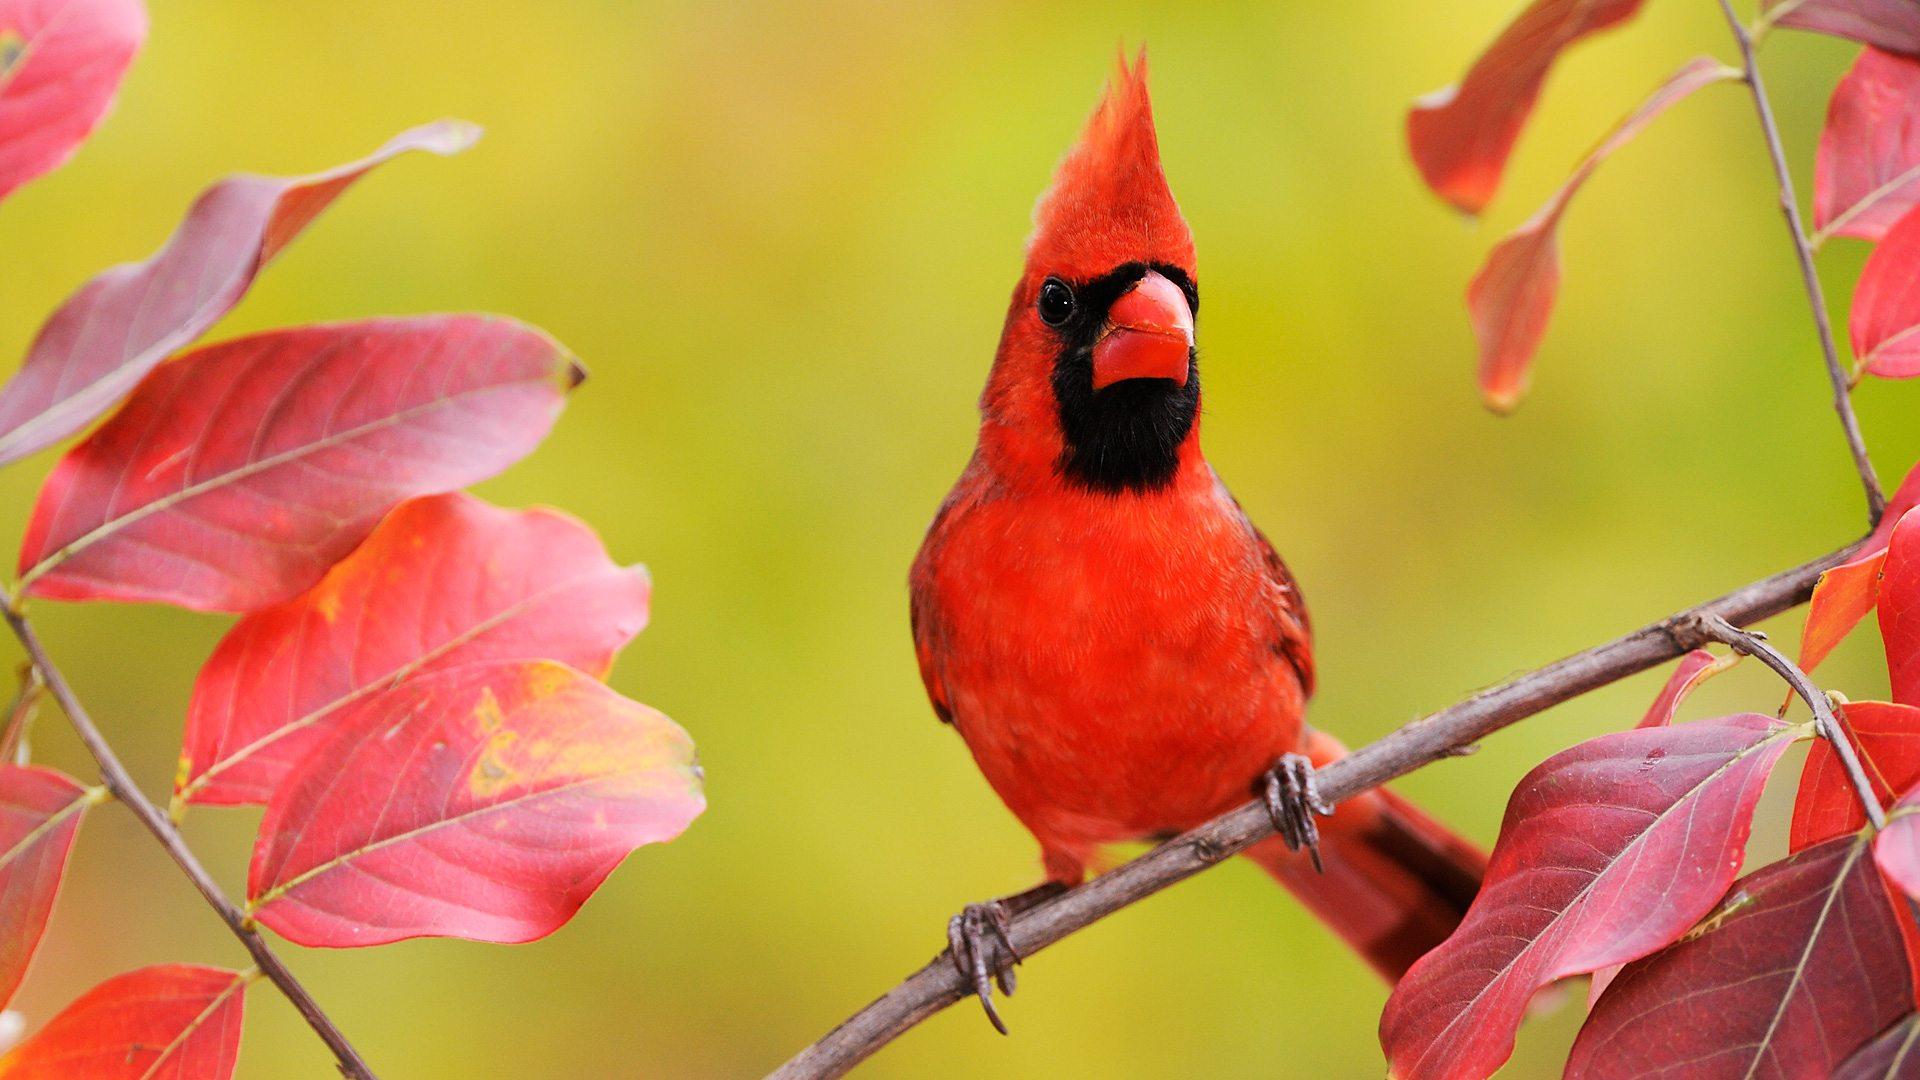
(1126, 437)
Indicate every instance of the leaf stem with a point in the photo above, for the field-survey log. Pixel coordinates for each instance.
(1754, 644)
(121, 785)
(1809, 276)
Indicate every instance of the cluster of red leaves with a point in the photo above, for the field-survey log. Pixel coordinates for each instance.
(413, 690)
(1621, 857)
(1867, 173)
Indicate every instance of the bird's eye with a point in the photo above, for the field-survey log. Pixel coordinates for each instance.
(1056, 302)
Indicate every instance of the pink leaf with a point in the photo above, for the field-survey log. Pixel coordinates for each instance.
(118, 326)
(61, 62)
(444, 580)
(1694, 668)
(1888, 740)
(1512, 297)
(486, 801)
(172, 1022)
(1867, 174)
(1609, 851)
(1887, 24)
(1885, 318)
(1461, 136)
(1897, 849)
(40, 812)
(1800, 964)
(236, 475)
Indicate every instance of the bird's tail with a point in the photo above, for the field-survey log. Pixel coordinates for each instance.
(1396, 882)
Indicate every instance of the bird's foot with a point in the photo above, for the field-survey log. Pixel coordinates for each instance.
(979, 940)
(1293, 798)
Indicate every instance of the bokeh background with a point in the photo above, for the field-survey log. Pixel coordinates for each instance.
(782, 237)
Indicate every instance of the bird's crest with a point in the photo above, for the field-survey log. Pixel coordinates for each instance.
(1109, 202)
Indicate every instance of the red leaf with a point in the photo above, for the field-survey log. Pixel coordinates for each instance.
(1900, 610)
(1460, 136)
(1844, 594)
(1609, 851)
(1888, 739)
(1512, 296)
(444, 580)
(60, 63)
(1887, 24)
(1841, 598)
(1885, 319)
(1867, 174)
(170, 1022)
(1694, 668)
(236, 475)
(118, 326)
(40, 813)
(1801, 964)
(1894, 1054)
(486, 801)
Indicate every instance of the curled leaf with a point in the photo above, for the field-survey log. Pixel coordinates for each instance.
(120, 325)
(1461, 136)
(486, 801)
(171, 1022)
(236, 475)
(61, 62)
(1609, 851)
(1512, 297)
(1801, 964)
(1694, 668)
(444, 580)
(1867, 173)
(1886, 24)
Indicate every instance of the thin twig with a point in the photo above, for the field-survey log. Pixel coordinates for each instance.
(1755, 645)
(120, 783)
(1809, 276)
(1432, 738)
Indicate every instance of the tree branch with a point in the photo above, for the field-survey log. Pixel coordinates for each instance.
(1809, 276)
(1440, 735)
(1755, 644)
(121, 785)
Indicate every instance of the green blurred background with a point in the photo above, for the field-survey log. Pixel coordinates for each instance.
(782, 237)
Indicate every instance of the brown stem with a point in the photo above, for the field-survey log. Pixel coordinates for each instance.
(1809, 276)
(120, 783)
(1755, 644)
(1432, 738)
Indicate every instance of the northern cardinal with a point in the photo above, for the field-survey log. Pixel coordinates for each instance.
(1122, 650)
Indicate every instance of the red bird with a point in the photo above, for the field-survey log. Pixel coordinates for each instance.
(1120, 648)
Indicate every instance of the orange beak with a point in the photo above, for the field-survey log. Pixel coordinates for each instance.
(1149, 335)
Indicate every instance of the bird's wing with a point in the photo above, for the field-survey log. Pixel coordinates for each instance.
(1293, 631)
(926, 629)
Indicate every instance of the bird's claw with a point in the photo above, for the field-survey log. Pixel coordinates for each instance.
(1293, 798)
(979, 940)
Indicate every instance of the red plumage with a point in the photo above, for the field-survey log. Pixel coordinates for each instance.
(1120, 647)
